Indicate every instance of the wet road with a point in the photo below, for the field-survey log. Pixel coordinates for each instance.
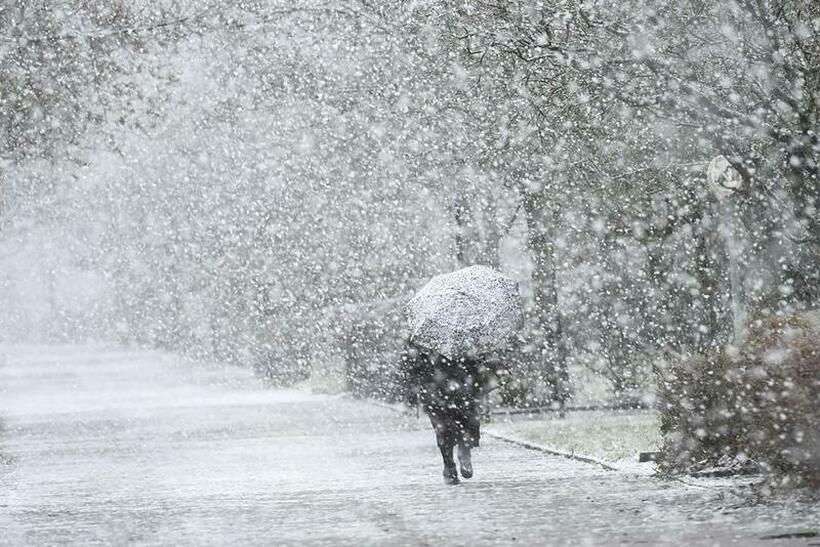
(100, 446)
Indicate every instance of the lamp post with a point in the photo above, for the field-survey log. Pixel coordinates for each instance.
(724, 182)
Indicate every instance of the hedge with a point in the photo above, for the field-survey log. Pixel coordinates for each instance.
(759, 402)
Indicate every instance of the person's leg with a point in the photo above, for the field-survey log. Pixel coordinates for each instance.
(446, 446)
(469, 426)
(473, 429)
(446, 441)
(469, 437)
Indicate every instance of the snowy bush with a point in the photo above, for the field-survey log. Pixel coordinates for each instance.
(372, 345)
(760, 401)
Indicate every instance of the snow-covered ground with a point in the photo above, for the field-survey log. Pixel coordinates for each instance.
(101, 445)
(616, 436)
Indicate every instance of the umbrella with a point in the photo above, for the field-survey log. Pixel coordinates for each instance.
(472, 311)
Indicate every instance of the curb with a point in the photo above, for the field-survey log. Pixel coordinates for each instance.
(551, 451)
(505, 411)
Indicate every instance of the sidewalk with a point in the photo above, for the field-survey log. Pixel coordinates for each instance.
(113, 447)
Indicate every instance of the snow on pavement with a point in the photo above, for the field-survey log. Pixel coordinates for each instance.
(104, 446)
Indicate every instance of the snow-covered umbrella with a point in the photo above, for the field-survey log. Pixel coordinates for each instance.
(472, 311)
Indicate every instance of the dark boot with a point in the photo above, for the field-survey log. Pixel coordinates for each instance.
(450, 475)
(465, 460)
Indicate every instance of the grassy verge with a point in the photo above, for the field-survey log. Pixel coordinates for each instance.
(614, 437)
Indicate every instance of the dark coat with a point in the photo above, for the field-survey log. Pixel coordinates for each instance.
(447, 389)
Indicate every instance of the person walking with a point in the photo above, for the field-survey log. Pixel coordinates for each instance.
(455, 322)
(449, 391)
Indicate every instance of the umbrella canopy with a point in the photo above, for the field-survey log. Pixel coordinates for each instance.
(472, 311)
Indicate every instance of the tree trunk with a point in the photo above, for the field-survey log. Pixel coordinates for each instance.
(492, 235)
(477, 234)
(461, 216)
(706, 271)
(804, 186)
(548, 335)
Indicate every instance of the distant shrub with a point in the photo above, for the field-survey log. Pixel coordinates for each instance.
(760, 402)
(372, 343)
